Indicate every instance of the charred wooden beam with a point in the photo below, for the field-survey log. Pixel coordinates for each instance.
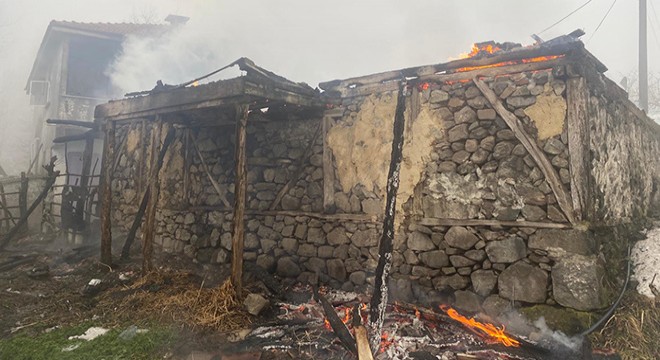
(240, 191)
(577, 99)
(106, 191)
(76, 137)
(379, 298)
(52, 176)
(338, 326)
(361, 336)
(530, 145)
(3, 203)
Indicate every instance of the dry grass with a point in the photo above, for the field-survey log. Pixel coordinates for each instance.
(176, 297)
(634, 330)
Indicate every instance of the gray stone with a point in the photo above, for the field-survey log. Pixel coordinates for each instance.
(448, 166)
(456, 281)
(226, 241)
(465, 115)
(467, 301)
(307, 250)
(486, 114)
(315, 265)
(438, 96)
(435, 259)
(460, 156)
(455, 103)
(555, 214)
(507, 214)
(483, 282)
(521, 101)
(410, 257)
(533, 213)
(460, 237)
(342, 202)
(576, 282)
(502, 150)
(251, 241)
(267, 245)
(338, 237)
(325, 251)
(420, 242)
(560, 162)
(365, 238)
(336, 269)
(290, 245)
(255, 303)
(460, 261)
(457, 133)
(358, 277)
(553, 146)
(340, 252)
(316, 160)
(480, 156)
(189, 219)
(478, 102)
(290, 203)
(523, 282)
(301, 231)
(487, 143)
(424, 271)
(316, 236)
(372, 206)
(496, 306)
(531, 195)
(569, 240)
(506, 251)
(475, 255)
(471, 145)
(221, 257)
(287, 267)
(266, 261)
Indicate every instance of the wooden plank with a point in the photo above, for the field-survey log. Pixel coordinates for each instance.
(577, 98)
(378, 303)
(149, 227)
(485, 222)
(81, 123)
(84, 180)
(186, 164)
(328, 169)
(140, 182)
(300, 167)
(22, 200)
(106, 194)
(240, 191)
(222, 194)
(530, 145)
(76, 137)
(3, 203)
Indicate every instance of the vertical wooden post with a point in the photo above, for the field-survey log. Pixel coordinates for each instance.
(141, 182)
(149, 228)
(577, 98)
(3, 201)
(106, 193)
(328, 169)
(22, 200)
(240, 192)
(85, 177)
(378, 302)
(186, 164)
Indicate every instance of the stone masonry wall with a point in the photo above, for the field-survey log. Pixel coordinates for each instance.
(461, 162)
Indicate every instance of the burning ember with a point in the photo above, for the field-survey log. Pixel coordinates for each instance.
(489, 330)
(484, 49)
(480, 49)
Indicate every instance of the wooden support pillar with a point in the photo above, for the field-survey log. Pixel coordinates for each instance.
(149, 227)
(240, 192)
(3, 202)
(577, 98)
(85, 179)
(378, 302)
(106, 193)
(22, 200)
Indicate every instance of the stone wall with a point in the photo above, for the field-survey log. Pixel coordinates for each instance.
(461, 162)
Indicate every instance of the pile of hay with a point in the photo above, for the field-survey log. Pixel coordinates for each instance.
(633, 330)
(177, 297)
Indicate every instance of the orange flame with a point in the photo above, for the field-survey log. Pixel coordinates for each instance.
(196, 83)
(490, 330)
(504, 63)
(481, 48)
(385, 342)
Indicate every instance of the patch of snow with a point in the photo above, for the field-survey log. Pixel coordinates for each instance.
(91, 334)
(71, 347)
(94, 282)
(646, 262)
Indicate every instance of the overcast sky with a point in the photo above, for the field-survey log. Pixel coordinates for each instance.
(311, 41)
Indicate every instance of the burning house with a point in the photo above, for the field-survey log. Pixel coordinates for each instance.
(510, 158)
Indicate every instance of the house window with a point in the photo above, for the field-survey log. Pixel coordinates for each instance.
(39, 92)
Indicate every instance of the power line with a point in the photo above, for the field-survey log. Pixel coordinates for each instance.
(601, 21)
(564, 18)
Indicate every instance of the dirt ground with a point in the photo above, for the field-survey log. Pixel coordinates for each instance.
(48, 289)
